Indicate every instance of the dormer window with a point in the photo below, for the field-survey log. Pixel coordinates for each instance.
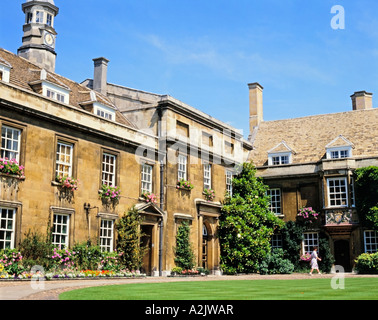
(55, 95)
(339, 154)
(55, 92)
(339, 148)
(277, 160)
(280, 155)
(103, 111)
(4, 71)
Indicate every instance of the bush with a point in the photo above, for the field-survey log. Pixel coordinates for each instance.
(275, 263)
(86, 257)
(35, 250)
(367, 263)
(183, 250)
(11, 260)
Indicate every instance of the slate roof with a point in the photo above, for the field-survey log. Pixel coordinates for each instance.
(25, 73)
(309, 136)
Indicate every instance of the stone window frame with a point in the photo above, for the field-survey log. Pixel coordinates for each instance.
(277, 210)
(69, 212)
(75, 144)
(310, 242)
(13, 230)
(207, 176)
(22, 143)
(344, 195)
(373, 236)
(144, 174)
(108, 247)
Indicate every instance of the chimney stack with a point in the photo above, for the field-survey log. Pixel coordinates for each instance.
(255, 105)
(362, 100)
(100, 75)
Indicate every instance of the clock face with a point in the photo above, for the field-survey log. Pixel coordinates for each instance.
(49, 39)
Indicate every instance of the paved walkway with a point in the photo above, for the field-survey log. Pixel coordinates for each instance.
(50, 290)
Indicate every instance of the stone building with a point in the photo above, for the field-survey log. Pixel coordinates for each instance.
(105, 134)
(309, 162)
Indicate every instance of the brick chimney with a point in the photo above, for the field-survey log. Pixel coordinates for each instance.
(255, 105)
(362, 100)
(100, 75)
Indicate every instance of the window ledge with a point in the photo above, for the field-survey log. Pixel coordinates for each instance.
(13, 176)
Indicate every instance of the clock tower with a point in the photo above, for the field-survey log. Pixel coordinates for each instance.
(38, 42)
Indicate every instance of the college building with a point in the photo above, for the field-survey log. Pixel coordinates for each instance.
(170, 161)
(309, 162)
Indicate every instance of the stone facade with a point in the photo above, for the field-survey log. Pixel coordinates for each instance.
(99, 133)
(309, 162)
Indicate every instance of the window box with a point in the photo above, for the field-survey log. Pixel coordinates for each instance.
(184, 185)
(308, 217)
(109, 194)
(209, 194)
(67, 183)
(11, 168)
(149, 197)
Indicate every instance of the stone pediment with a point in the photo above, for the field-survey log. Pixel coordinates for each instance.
(149, 208)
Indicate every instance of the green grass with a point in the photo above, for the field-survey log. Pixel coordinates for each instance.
(307, 289)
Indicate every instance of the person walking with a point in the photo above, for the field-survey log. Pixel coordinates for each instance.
(314, 261)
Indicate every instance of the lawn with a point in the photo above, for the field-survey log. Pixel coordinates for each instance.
(307, 289)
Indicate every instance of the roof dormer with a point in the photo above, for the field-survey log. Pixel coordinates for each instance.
(281, 154)
(50, 87)
(339, 148)
(98, 108)
(5, 68)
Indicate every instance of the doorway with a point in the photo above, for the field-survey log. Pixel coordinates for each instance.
(146, 241)
(342, 255)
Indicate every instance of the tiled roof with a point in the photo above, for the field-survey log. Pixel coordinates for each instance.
(24, 73)
(309, 136)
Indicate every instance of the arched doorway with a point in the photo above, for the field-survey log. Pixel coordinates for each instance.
(342, 254)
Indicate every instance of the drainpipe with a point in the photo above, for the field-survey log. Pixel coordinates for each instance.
(161, 149)
(161, 220)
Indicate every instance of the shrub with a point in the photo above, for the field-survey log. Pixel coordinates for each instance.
(129, 239)
(183, 250)
(246, 224)
(86, 256)
(275, 263)
(35, 249)
(367, 263)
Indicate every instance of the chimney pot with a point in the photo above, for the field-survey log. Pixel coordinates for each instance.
(362, 100)
(100, 75)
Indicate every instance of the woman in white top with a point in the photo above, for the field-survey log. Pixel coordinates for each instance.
(314, 261)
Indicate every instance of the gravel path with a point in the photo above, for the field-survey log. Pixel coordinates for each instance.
(50, 290)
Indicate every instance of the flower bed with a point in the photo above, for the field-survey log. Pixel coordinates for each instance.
(72, 275)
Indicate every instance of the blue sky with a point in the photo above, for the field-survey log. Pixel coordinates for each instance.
(205, 52)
